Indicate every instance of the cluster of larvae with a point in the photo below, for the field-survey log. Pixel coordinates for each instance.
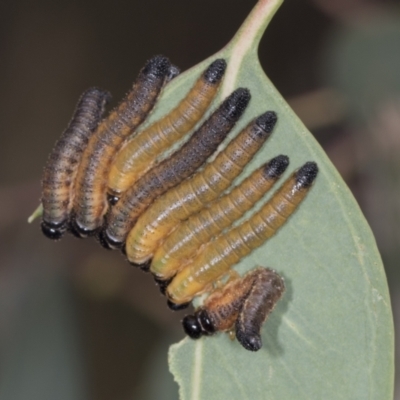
(172, 215)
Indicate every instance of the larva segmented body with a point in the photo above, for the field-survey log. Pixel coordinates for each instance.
(138, 154)
(174, 169)
(226, 250)
(62, 165)
(184, 242)
(267, 289)
(192, 195)
(90, 202)
(243, 303)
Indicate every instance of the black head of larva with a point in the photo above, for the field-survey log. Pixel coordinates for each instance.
(107, 242)
(157, 66)
(162, 284)
(205, 321)
(112, 199)
(250, 342)
(276, 167)
(192, 327)
(215, 72)
(53, 231)
(145, 267)
(101, 240)
(79, 231)
(177, 307)
(306, 175)
(234, 105)
(198, 324)
(267, 121)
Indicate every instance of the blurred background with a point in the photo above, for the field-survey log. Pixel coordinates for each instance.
(75, 321)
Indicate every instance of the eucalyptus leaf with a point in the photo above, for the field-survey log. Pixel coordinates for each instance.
(331, 336)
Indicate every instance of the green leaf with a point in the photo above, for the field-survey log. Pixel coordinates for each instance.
(331, 336)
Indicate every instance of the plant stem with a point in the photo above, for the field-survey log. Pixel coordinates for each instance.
(248, 38)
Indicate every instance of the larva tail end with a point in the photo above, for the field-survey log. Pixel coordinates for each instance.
(53, 231)
(174, 71)
(214, 73)
(306, 175)
(162, 284)
(250, 342)
(276, 167)
(267, 121)
(235, 104)
(95, 91)
(192, 327)
(157, 66)
(177, 307)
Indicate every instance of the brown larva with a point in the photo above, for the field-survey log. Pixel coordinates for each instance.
(243, 304)
(90, 203)
(61, 168)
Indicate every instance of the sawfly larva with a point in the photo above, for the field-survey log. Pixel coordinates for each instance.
(189, 237)
(90, 200)
(62, 165)
(229, 248)
(139, 154)
(244, 304)
(193, 194)
(171, 171)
